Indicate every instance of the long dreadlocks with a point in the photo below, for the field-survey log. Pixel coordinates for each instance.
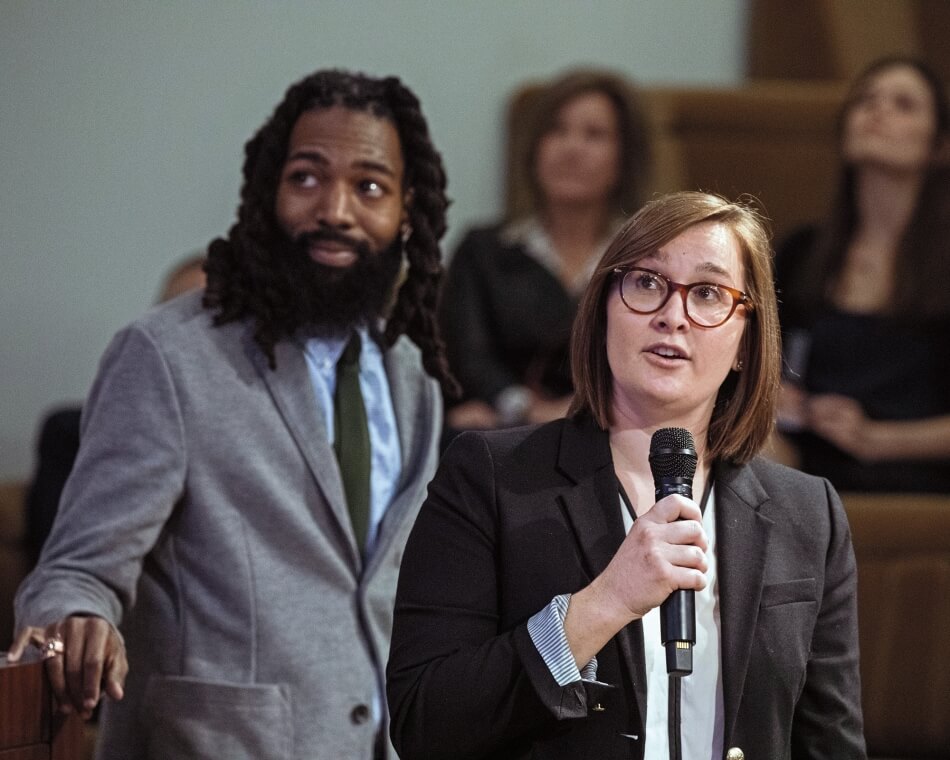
(241, 279)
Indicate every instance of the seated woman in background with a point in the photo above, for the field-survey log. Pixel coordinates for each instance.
(512, 289)
(864, 298)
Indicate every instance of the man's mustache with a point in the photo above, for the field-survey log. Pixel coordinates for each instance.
(304, 240)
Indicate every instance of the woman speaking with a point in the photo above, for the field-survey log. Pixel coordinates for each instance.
(527, 620)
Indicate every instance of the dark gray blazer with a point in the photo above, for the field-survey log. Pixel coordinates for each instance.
(515, 517)
(206, 515)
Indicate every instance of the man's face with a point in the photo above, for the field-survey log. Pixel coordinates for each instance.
(340, 204)
(341, 188)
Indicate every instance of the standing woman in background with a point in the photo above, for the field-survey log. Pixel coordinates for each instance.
(865, 307)
(512, 289)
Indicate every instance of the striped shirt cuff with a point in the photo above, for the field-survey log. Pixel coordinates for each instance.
(546, 629)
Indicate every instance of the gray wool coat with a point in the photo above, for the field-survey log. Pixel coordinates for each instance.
(206, 518)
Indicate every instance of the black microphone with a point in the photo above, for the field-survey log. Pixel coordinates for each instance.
(673, 464)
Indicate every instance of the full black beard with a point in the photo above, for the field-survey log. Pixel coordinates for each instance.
(330, 300)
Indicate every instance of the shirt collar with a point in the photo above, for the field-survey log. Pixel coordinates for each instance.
(325, 349)
(530, 234)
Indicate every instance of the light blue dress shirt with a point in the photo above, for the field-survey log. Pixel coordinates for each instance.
(322, 355)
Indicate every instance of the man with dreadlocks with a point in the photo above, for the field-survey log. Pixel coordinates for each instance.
(241, 498)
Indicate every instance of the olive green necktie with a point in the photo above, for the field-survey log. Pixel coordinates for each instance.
(351, 438)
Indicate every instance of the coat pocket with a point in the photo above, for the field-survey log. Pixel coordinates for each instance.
(801, 590)
(195, 718)
(783, 631)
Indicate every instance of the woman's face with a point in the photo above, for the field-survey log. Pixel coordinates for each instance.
(666, 369)
(892, 122)
(578, 159)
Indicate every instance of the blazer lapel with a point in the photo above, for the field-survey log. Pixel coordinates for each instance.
(291, 388)
(742, 534)
(409, 400)
(593, 509)
(418, 422)
(591, 505)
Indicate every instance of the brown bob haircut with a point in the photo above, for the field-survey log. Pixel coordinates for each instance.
(744, 414)
(532, 114)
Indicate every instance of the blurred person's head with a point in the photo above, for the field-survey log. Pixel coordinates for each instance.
(577, 160)
(342, 208)
(894, 123)
(668, 364)
(587, 143)
(188, 274)
(896, 117)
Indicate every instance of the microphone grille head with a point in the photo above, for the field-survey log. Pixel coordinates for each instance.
(672, 453)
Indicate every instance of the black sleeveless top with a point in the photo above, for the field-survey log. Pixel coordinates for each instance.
(896, 369)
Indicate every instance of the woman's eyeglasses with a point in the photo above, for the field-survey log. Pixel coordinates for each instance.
(706, 304)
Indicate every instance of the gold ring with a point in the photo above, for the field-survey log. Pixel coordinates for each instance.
(53, 647)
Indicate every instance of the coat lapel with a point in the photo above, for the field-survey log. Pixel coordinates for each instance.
(409, 398)
(291, 388)
(418, 424)
(591, 505)
(742, 534)
(593, 509)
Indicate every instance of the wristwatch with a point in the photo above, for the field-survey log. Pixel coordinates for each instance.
(512, 405)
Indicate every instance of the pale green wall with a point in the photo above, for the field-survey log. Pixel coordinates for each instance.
(122, 125)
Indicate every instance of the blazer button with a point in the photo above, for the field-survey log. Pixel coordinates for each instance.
(359, 715)
(735, 753)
